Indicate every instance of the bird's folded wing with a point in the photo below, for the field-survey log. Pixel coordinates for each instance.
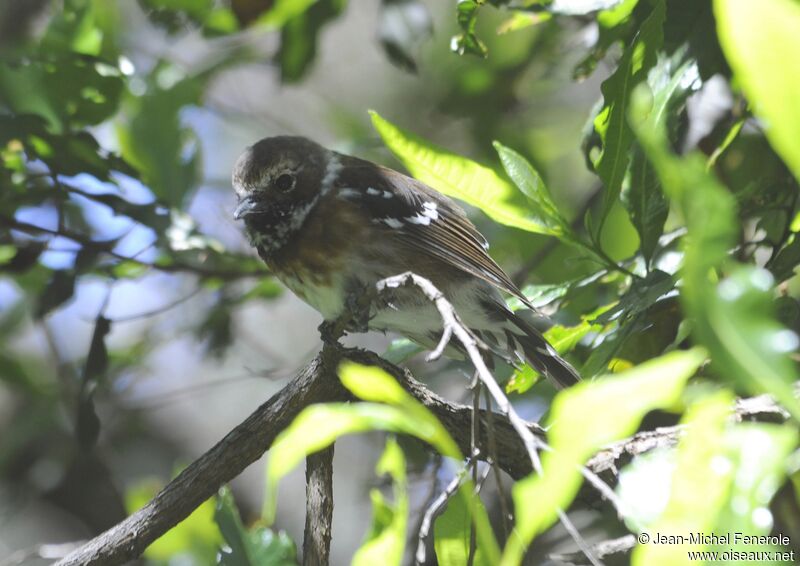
(421, 218)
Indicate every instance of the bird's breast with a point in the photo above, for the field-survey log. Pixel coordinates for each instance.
(320, 260)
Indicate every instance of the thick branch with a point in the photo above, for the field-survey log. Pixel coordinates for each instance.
(241, 447)
(319, 508)
(317, 383)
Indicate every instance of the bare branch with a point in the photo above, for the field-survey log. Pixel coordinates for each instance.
(451, 321)
(608, 548)
(319, 508)
(242, 446)
(435, 509)
(316, 383)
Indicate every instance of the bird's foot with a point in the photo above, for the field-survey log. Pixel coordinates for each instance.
(358, 306)
(331, 330)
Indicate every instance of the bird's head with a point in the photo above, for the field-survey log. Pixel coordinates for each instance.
(278, 173)
(277, 181)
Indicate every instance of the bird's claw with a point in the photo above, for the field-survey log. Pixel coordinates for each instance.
(330, 331)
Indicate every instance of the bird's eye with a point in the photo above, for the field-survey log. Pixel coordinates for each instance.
(284, 182)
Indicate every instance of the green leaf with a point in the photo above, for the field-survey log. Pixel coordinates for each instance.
(195, 538)
(734, 470)
(565, 338)
(156, 142)
(755, 36)
(542, 295)
(532, 186)
(386, 541)
(74, 29)
(733, 318)
(759, 454)
(452, 533)
(611, 122)
(389, 408)
(258, 546)
(614, 25)
(671, 82)
(645, 201)
(299, 34)
(282, 11)
(642, 294)
(783, 264)
(66, 89)
(467, 18)
(459, 177)
(577, 430)
(696, 478)
(580, 7)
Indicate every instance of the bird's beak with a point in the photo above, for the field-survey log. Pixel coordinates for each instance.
(245, 207)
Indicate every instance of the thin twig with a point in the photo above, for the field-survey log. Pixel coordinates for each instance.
(619, 546)
(106, 247)
(492, 460)
(475, 453)
(469, 341)
(435, 509)
(159, 310)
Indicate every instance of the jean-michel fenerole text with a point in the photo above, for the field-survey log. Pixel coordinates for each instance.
(725, 539)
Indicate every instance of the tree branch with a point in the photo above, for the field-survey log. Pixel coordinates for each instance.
(319, 508)
(317, 383)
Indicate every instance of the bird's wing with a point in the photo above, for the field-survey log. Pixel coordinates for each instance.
(422, 218)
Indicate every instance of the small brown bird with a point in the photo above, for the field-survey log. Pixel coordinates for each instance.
(330, 226)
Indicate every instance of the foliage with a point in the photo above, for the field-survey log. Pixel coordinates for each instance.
(672, 284)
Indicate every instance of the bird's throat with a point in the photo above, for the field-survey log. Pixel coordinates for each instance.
(272, 230)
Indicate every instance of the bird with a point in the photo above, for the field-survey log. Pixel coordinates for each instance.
(330, 226)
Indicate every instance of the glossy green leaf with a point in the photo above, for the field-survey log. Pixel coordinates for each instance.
(565, 338)
(531, 184)
(386, 540)
(642, 294)
(760, 454)
(460, 178)
(452, 533)
(611, 122)
(542, 294)
(614, 25)
(258, 546)
(576, 430)
(734, 469)
(645, 202)
(759, 40)
(390, 408)
(580, 7)
(467, 42)
(317, 427)
(671, 81)
(733, 318)
(371, 383)
(783, 264)
(698, 476)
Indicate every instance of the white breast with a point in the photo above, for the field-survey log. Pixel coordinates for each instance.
(328, 299)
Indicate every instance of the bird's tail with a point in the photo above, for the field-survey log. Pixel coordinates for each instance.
(539, 353)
